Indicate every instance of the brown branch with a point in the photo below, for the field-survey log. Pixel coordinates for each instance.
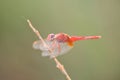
(58, 64)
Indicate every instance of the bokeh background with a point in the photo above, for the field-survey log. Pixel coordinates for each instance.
(88, 60)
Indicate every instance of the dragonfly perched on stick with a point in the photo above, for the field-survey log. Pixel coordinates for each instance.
(59, 43)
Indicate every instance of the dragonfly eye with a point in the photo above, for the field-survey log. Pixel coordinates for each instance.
(51, 36)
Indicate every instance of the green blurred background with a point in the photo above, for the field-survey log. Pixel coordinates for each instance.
(88, 60)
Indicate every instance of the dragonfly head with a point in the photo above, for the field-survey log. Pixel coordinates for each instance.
(50, 37)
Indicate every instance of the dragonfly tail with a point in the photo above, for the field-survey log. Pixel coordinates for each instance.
(77, 38)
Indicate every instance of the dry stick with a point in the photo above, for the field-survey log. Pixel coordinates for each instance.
(58, 64)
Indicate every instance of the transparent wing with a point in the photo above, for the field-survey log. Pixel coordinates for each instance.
(58, 48)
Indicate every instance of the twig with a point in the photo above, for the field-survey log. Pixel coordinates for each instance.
(58, 64)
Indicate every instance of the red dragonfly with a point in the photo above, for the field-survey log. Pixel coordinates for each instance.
(59, 43)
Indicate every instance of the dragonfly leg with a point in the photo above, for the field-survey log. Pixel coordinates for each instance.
(59, 48)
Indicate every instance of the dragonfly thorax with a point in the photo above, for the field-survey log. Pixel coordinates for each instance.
(61, 37)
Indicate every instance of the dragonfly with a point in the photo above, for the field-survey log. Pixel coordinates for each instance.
(59, 43)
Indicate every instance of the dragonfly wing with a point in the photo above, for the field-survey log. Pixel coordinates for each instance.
(58, 48)
(39, 45)
(45, 53)
(36, 44)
